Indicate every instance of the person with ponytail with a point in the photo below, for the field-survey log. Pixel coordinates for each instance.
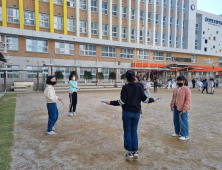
(131, 96)
(180, 104)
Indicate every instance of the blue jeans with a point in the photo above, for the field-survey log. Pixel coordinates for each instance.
(130, 123)
(53, 115)
(181, 125)
(148, 92)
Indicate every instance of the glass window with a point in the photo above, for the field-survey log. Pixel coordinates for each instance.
(94, 28)
(193, 58)
(132, 14)
(106, 72)
(105, 30)
(164, 20)
(171, 4)
(36, 45)
(44, 20)
(58, 22)
(184, 24)
(58, 2)
(83, 70)
(171, 22)
(141, 16)
(157, 19)
(170, 39)
(105, 8)
(114, 10)
(157, 2)
(196, 44)
(108, 51)
(150, 1)
(124, 33)
(156, 38)
(0, 13)
(94, 5)
(12, 15)
(168, 57)
(157, 56)
(10, 42)
(178, 6)
(177, 40)
(149, 17)
(29, 18)
(164, 3)
(64, 48)
(183, 41)
(71, 3)
(82, 4)
(83, 26)
(205, 49)
(148, 35)
(44, 0)
(141, 35)
(124, 12)
(214, 38)
(177, 23)
(184, 7)
(163, 40)
(87, 50)
(143, 54)
(132, 34)
(114, 31)
(126, 53)
(71, 25)
(205, 41)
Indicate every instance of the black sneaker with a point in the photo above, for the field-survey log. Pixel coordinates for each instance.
(129, 155)
(135, 154)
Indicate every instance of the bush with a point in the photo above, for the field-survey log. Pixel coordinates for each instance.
(59, 75)
(88, 75)
(112, 75)
(100, 75)
(123, 76)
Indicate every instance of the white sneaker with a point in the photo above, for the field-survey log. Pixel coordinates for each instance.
(184, 138)
(51, 133)
(53, 128)
(74, 114)
(71, 114)
(175, 135)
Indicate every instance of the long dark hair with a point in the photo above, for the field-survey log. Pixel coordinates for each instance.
(130, 75)
(179, 78)
(71, 75)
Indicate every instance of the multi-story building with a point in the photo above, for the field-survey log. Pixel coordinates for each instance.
(138, 33)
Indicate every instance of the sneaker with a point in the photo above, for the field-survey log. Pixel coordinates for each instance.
(51, 133)
(175, 135)
(135, 154)
(129, 155)
(53, 128)
(74, 114)
(71, 114)
(184, 138)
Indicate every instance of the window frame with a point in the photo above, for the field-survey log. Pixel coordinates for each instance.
(43, 21)
(114, 26)
(82, 5)
(84, 50)
(105, 10)
(141, 35)
(7, 44)
(59, 2)
(126, 52)
(37, 46)
(82, 28)
(29, 18)
(57, 23)
(74, 25)
(149, 18)
(164, 20)
(193, 58)
(103, 26)
(133, 16)
(143, 54)
(156, 37)
(70, 49)
(112, 52)
(124, 33)
(168, 57)
(141, 16)
(93, 7)
(93, 30)
(132, 33)
(157, 19)
(163, 39)
(74, 3)
(124, 15)
(12, 16)
(113, 11)
(158, 57)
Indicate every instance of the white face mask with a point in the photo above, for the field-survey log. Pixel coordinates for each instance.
(74, 78)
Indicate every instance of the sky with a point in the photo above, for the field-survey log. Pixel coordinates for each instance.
(211, 6)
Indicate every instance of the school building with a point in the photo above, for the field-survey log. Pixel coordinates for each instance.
(168, 34)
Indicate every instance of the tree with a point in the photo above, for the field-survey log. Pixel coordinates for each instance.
(112, 75)
(123, 76)
(59, 75)
(88, 75)
(2, 58)
(100, 75)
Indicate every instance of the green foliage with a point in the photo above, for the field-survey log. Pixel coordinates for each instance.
(88, 75)
(112, 75)
(100, 75)
(59, 75)
(123, 76)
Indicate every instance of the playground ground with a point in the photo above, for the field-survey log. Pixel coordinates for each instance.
(91, 139)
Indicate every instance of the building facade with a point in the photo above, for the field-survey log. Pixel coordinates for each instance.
(139, 33)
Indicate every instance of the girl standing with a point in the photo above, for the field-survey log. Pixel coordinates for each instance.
(72, 94)
(131, 96)
(180, 105)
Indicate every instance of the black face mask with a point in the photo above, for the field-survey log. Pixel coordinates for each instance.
(53, 82)
(180, 84)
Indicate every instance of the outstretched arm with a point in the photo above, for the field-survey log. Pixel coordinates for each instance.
(121, 101)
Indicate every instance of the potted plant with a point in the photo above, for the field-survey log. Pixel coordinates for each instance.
(59, 75)
(100, 75)
(87, 75)
(112, 76)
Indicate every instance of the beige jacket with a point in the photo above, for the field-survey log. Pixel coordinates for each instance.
(50, 95)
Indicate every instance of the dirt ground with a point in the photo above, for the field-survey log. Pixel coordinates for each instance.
(91, 139)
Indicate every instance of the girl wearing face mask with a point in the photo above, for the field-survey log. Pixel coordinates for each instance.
(72, 94)
(180, 105)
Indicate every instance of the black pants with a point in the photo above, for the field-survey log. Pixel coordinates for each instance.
(204, 89)
(155, 89)
(216, 85)
(73, 102)
(193, 85)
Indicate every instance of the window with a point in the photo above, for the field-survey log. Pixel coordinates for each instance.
(214, 38)
(203, 32)
(157, 2)
(13, 15)
(184, 7)
(114, 11)
(104, 8)
(216, 31)
(126, 53)
(157, 56)
(83, 70)
(196, 44)
(149, 17)
(205, 41)
(148, 35)
(36, 45)
(168, 57)
(170, 39)
(87, 50)
(163, 40)
(213, 46)
(64, 48)
(178, 23)
(177, 40)
(183, 24)
(156, 38)
(94, 28)
(141, 16)
(141, 35)
(171, 4)
(164, 20)
(106, 72)
(196, 32)
(164, 3)
(83, 26)
(132, 34)
(132, 14)
(0, 13)
(124, 12)
(10, 42)
(171, 22)
(82, 4)
(183, 41)
(94, 5)
(178, 6)
(193, 58)
(143, 54)
(29, 18)
(157, 19)
(114, 31)
(58, 22)
(108, 51)
(71, 25)
(124, 33)
(71, 3)
(44, 20)
(44, 0)
(57, 2)
(150, 1)
(105, 30)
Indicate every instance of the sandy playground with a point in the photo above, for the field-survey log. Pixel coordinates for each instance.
(91, 140)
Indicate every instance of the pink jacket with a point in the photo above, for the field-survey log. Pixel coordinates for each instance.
(183, 100)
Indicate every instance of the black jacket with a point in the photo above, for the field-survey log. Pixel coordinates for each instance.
(155, 83)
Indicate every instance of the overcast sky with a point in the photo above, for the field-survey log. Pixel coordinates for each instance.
(211, 6)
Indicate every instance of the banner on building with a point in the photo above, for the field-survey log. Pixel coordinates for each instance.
(181, 59)
(209, 62)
